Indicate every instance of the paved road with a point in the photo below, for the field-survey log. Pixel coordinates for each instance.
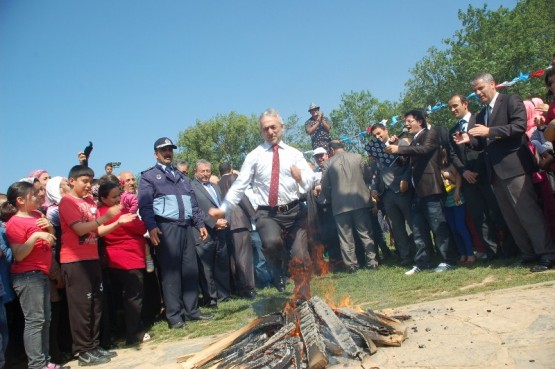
(510, 328)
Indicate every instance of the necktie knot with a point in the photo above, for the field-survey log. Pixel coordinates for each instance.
(462, 125)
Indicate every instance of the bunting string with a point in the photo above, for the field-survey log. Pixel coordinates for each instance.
(522, 77)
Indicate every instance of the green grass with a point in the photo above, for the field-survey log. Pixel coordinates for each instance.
(387, 287)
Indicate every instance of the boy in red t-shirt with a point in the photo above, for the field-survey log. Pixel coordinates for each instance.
(80, 265)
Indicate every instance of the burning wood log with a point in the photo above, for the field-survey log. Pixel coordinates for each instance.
(314, 345)
(312, 335)
(338, 330)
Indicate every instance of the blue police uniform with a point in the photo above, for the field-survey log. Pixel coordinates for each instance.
(167, 201)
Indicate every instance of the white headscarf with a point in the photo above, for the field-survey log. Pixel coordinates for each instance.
(53, 190)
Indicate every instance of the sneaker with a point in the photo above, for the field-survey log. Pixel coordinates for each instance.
(105, 353)
(414, 270)
(442, 267)
(91, 358)
(149, 264)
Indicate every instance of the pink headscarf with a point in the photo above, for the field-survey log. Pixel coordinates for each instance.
(37, 173)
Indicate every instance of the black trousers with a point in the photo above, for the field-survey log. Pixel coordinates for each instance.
(83, 280)
(284, 233)
(179, 272)
(128, 284)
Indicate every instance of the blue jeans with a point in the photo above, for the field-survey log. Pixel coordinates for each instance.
(428, 215)
(33, 291)
(261, 273)
(456, 220)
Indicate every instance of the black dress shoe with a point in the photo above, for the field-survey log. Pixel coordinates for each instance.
(177, 325)
(279, 285)
(542, 266)
(352, 270)
(250, 294)
(202, 317)
(212, 304)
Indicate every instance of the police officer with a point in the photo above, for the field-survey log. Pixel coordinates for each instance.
(168, 206)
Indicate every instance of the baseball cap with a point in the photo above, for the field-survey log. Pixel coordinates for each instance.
(319, 151)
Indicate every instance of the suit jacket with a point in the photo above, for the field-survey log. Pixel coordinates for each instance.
(464, 157)
(425, 161)
(240, 215)
(345, 182)
(205, 201)
(506, 150)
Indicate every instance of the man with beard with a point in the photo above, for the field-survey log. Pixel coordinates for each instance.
(169, 208)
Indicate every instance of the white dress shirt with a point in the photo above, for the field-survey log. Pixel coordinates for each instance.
(257, 172)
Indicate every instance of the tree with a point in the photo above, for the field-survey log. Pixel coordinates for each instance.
(502, 42)
(357, 111)
(295, 133)
(223, 138)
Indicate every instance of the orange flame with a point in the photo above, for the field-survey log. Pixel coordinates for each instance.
(301, 273)
(319, 264)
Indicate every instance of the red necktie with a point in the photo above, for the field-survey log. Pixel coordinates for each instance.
(274, 180)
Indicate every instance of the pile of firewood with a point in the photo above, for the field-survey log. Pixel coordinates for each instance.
(312, 335)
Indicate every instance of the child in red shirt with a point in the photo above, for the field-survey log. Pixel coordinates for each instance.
(80, 265)
(30, 236)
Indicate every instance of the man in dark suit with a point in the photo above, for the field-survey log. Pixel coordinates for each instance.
(479, 197)
(240, 226)
(345, 186)
(213, 253)
(424, 153)
(499, 131)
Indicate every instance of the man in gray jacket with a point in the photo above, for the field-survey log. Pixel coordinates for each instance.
(345, 185)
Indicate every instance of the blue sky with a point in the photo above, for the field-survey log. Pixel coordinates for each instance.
(123, 73)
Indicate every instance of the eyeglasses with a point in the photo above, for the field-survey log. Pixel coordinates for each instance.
(410, 121)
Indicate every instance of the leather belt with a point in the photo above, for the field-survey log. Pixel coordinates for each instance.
(280, 208)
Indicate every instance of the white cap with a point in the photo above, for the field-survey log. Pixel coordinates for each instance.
(319, 151)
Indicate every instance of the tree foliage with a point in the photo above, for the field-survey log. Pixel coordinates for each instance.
(502, 42)
(224, 138)
(356, 112)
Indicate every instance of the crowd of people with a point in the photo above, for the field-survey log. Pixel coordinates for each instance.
(78, 251)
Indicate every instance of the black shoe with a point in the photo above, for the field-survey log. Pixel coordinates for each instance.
(177, 325)
(250, 294)
(202, 317)
(542, 266)
(352, 270)
(105, 353)
(279, 285)
(212, 304)
(91, 358)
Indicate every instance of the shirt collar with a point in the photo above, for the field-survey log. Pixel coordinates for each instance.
(492, 102)
(268, 146)
(467, 117)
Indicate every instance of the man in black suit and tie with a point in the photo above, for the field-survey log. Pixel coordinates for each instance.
(427, 207)
(499, 131)
(481, 202)
(214, 277)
